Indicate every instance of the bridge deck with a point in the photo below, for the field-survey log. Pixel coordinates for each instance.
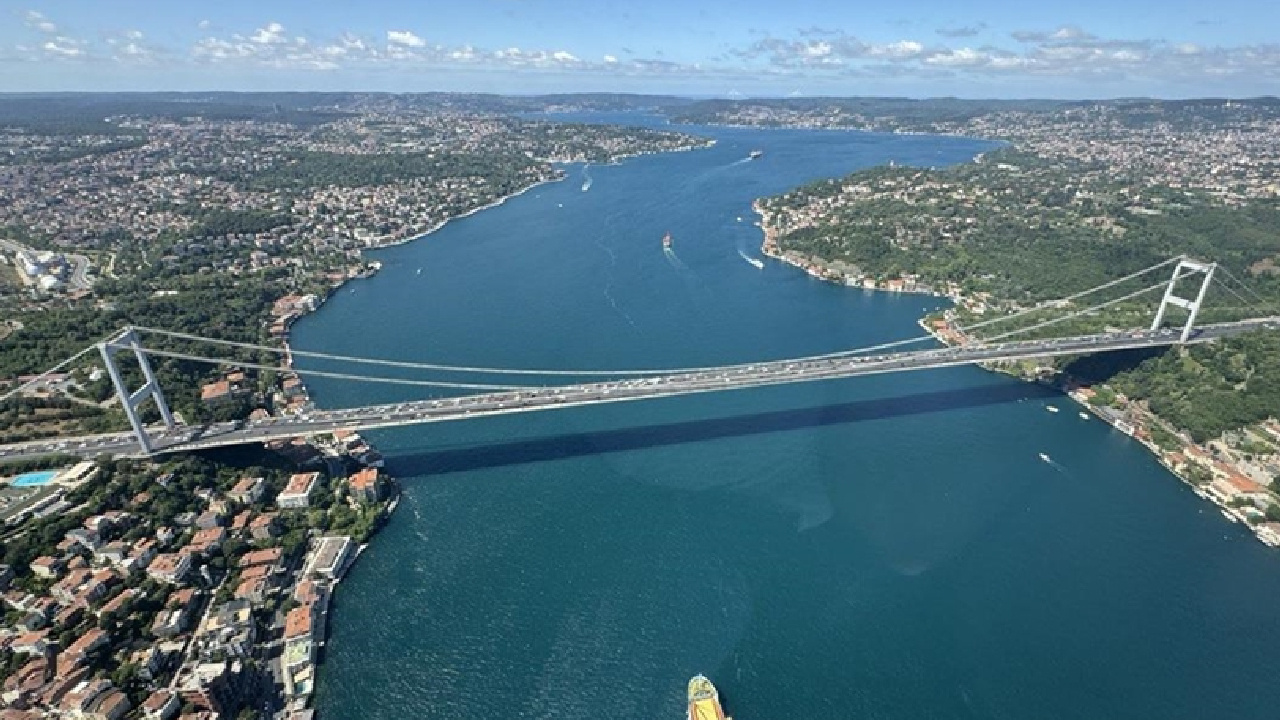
(712, 380)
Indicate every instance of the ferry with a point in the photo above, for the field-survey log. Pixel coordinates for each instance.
(666, 241)
(1046, 458)
(704, 701)
(1051, 408)
(755, 154)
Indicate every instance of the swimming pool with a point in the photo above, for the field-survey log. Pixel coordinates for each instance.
(33, 479)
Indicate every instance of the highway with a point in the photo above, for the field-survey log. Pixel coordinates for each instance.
(187, 438)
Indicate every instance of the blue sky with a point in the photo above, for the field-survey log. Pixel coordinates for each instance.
(979, 48)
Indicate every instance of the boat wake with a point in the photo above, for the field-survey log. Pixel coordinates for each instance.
(586, 178)
(608, 295)
(674, 259)
(608, 286)
(756, 262)
(1053, 464)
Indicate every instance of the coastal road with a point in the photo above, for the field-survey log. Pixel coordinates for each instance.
(531, 399)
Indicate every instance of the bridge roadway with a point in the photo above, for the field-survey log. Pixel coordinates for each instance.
(186, 438)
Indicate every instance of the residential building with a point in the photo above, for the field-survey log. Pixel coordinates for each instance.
(247, 491)
(366, 485)
(161, 705)
(297, 494)
(169, 567)
(47, 567)
(329, 557)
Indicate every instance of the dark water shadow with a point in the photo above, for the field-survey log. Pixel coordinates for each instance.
(480, 456)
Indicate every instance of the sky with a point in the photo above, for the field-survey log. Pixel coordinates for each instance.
(713, 48)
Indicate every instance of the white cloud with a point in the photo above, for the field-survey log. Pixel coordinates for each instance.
(39, 22)
(204, 24)
(959, 58)
(1066, 51)
(63, 46)
(405, 38)
(610, 59)
(900, 49)
(564, 57)
(272, 34)
(818, 49)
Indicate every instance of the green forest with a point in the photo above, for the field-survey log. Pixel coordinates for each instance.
(1025, 235)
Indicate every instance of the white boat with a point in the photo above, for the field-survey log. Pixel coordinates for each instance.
(419, 272)
(1046, 458)
(1084, 415)
(757, 262)
(1051, 408)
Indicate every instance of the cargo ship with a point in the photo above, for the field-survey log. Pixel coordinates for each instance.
(755, 154)
(666, 241)
(704, 701)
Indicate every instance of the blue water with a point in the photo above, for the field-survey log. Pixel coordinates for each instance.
(33, 479)
(883, 547)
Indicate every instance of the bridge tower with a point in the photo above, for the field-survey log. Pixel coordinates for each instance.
(1191, 306)
(127, 340)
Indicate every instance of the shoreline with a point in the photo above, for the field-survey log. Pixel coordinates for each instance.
(616, 160)
(287, 357)
(769, 248)
(434, 228)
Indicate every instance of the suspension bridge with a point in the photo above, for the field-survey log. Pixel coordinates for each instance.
(530, 390)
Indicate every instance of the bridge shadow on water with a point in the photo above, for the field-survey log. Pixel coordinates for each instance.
(480, 456)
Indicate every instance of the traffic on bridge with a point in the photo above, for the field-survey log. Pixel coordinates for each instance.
(188, 438)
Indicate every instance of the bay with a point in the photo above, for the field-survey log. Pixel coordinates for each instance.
(882, 547)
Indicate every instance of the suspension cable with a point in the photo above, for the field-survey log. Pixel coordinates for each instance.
(1087, 310)
(619, 372)
(1069, 298)
(1266, 304)
(334, 375)
(37, 379)
(1238, 296)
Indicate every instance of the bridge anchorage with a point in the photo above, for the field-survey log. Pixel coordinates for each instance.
(498, 391)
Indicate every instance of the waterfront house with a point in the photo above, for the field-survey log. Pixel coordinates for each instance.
(329, 557)
(366, 485)
(297, 493)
